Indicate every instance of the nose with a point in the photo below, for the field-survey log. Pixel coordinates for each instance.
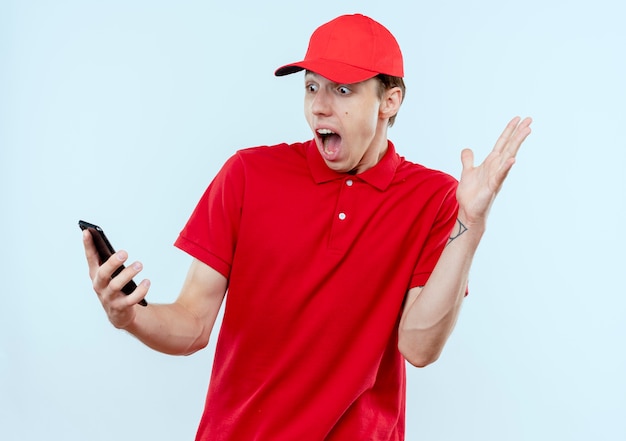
(320, 104)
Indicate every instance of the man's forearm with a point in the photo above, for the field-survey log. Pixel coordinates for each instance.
(170, 329)
(431, 311)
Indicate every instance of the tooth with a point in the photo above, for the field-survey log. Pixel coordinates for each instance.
(325, 131)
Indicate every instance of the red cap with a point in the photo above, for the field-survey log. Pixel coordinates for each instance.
(350, 49)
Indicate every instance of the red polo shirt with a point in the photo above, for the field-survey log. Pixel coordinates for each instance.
(318, 264)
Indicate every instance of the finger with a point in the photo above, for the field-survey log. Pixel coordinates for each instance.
(115, 294)
(122, 299)
(120, 280)
(103, 274)
(139, 293)
(504, 137)
(113, 263)
(91, 254)
(518, 137)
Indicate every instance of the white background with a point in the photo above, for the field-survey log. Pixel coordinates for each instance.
(121, 112)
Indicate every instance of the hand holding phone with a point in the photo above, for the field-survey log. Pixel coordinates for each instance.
(105, 250)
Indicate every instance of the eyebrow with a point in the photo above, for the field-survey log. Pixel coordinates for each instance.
(310, 73)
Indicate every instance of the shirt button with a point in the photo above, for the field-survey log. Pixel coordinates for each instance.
(342, 216)
(349, 182)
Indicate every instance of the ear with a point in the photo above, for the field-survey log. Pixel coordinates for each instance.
(390, 103)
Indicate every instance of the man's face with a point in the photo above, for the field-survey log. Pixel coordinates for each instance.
(346, 120)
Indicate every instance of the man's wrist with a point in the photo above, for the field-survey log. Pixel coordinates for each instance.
(466, 230)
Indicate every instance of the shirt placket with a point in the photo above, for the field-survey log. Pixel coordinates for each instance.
(343, 216)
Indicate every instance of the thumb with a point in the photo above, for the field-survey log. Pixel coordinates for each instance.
(467, 158)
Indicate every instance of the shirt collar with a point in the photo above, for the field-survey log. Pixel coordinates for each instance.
(379, 176)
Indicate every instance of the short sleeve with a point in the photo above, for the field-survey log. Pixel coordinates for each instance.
(210, 234)
(437, 237)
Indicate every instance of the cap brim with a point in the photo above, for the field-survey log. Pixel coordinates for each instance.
(332, 70)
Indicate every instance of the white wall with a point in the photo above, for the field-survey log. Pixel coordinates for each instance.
(121, 112)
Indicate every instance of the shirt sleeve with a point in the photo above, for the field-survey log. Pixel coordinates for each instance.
(437, 237)
(210, 234)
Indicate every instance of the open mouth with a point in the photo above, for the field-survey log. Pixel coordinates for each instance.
(330, 141)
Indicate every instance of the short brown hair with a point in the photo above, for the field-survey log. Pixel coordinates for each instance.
(389, 82)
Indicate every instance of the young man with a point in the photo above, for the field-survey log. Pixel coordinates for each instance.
(341, 259)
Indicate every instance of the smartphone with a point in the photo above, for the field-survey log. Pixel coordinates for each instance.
(105, 250)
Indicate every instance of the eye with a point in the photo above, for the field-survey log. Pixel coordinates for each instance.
(344, 90)
(311, 87)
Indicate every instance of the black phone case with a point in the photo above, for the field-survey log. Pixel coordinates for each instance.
(106, 250)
